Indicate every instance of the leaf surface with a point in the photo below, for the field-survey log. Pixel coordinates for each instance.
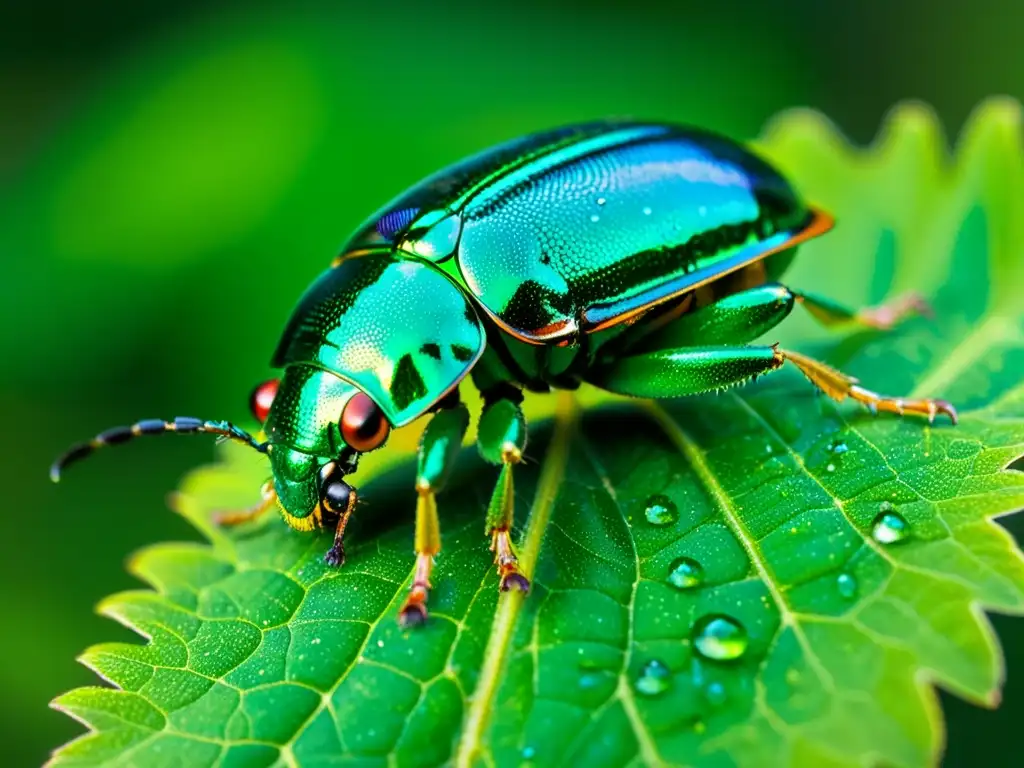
(757, 578)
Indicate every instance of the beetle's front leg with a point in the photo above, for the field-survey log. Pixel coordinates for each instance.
(268, 497)
(439, 448)
(501, 439)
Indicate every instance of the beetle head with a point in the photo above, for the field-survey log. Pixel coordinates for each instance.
(318, 426)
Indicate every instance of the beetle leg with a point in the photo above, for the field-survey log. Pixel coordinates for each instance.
(501, 438)
(438, 450)
(676, 372)
(693, 370)
(500, 517)
(735, 319)
(335, 556)
(268, 497)
(839, 386)
(883, 317)
(428, 544)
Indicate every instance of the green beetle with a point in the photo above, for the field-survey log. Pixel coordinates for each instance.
(642, 258)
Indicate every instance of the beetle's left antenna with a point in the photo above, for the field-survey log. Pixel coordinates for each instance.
(180, 425)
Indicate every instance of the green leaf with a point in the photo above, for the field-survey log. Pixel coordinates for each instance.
(711, 584)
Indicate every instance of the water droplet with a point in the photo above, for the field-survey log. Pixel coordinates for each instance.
(528, 753)
(830, 468)
(601, 201)
(654, 678)
(661, 510)
(685, 573)
(846, 583)
(719, 637)
(838, 447)
(590, 680)
(889, 527)
(647, 211)
(715, 693)
(886, 506)
(595, 217)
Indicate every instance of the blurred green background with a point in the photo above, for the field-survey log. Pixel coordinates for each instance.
(172, 175)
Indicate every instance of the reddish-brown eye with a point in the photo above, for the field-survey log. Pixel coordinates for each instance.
(262, 398)
(363, 424)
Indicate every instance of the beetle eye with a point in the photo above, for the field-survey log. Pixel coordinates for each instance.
(363, 424)
(262, 398)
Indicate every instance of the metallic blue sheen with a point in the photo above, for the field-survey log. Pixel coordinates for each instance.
(585, 227)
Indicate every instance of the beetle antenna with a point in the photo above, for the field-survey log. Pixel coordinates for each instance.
(180, 425)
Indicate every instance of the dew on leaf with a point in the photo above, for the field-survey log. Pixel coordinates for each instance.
(830, 468)
(590, 680)
(661, 510)
(685, 573)
(838, 447)
(654, 678)
(889, 527)
(719, 637)
(714, 692)
(528, 753)
(846, 583)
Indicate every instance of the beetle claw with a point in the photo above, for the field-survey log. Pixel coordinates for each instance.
(509, 577)
(514, 580)
(335, 556)
(414, 611)
(412, 615)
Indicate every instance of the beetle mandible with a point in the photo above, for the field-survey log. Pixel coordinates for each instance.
(642, 258)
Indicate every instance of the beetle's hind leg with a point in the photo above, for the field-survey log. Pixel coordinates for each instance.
(839, 386)
(883, 317)
(438, 450)
(268, 497)
(501, 439)
(680, 371)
